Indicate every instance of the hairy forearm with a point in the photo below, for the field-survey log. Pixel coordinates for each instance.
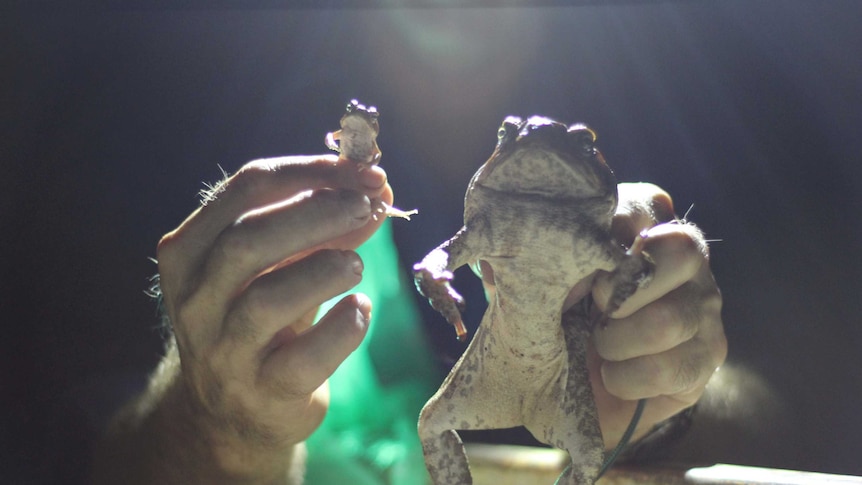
(157, 438)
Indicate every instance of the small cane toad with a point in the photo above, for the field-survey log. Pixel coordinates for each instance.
(538, 214)
(356, 142)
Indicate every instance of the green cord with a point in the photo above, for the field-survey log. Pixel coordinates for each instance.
(624, 441)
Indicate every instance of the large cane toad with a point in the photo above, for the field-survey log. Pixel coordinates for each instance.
(537, 213)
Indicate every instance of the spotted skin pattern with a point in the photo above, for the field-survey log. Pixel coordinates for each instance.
(538, 213)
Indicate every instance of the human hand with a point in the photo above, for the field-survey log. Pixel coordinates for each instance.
(666, 340)
(242, 279)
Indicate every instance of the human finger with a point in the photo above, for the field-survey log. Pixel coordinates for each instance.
(304, 363)
(678, 252)
(267, 181)
(269, 313)
(257, 184)
(657, 327)
(265, 240)
(641, 206)
(679, 370)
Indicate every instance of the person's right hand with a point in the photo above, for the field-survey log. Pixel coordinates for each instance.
(242, 279)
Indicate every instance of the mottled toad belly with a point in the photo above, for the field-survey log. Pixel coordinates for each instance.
(538, 215)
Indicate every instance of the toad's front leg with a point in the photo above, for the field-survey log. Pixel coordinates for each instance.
(434, 273)
(634, 270)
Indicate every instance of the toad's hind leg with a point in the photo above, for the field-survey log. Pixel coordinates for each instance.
(574, 424)
(445, 458)
(464, 401)
(390, 211)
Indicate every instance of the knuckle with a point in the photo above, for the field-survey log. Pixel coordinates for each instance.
(687, 373)
(691, 252)
(166, 244)
(653, 372)
(661, 205)
(718, 348)
(712, 328)
(604, 348)
(670, 325)
(694, 242)
(169, 251)
(678, 246)
(166, 261)
(674, 325)
(635, 378)
(252, 178)
(712, 303)
(253, 302)
(240, 324)
(236, 244)
(187, 315)
(689, 316)
(194, 320)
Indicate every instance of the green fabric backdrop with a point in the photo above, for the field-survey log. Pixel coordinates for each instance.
(369, 434)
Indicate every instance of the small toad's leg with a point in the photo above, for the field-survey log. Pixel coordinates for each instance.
(634, 271)
(434, 273)
(356, 142)
(389, 211)
(574, 423)
(332, 139)
(465, 400)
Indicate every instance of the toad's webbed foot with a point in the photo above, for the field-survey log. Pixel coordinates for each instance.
(634, 271)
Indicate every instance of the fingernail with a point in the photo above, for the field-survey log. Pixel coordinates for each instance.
(356, 204)
(364, 307)
(377, 206)
(356, 263)
(378, 209)
(372, 177)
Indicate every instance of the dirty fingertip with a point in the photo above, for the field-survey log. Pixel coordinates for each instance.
(662, 206)
(372, 177)
(363, 304)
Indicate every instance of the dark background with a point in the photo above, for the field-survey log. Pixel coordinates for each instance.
(750, 110)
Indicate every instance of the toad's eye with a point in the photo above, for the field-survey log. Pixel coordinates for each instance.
(501, 133)
(508, 130)
(584, 139)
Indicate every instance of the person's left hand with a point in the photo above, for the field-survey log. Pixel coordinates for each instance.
(666, 340)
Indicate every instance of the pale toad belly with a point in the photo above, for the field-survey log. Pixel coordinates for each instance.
(538, 215)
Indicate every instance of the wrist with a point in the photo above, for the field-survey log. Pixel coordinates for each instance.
(219, 448)
(658, 442)
(160, 438)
